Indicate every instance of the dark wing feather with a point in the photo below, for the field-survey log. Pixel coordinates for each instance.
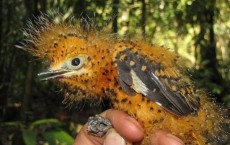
(125, 78)
(156, 88)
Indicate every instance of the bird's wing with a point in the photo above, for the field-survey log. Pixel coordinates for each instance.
(138, 74)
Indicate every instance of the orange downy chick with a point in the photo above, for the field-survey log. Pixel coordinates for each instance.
(146, 81)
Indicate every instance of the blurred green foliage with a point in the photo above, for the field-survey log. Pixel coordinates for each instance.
(196, 30)
(44, 131)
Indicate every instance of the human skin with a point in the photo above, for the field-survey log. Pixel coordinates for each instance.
(124, 128)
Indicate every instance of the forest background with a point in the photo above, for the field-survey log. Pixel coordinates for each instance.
(32, 112)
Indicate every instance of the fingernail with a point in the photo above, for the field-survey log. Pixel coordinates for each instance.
(113, 138)
(174, 140)
(132, 120)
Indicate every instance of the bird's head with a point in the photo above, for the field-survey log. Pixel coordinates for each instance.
(78, 58)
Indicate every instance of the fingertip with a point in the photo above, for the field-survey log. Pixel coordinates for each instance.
(165, 138)
(134, 122)
(112, 137)
(132, 129)
(126, 126)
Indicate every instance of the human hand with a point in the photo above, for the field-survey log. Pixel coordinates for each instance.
(125, 128)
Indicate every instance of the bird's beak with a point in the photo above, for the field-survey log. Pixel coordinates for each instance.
(53, 74)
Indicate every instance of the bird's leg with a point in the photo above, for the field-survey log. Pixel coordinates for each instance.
(98, 125)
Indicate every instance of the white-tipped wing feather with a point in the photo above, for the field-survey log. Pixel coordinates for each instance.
(137, 75)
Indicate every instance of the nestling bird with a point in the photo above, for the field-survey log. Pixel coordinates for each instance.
(146, 81)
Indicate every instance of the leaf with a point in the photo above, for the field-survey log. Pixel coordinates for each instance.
(11, 123)
(58, 137)
(29, 137)
(45, 121)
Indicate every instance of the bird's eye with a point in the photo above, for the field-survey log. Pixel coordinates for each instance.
(76, 62)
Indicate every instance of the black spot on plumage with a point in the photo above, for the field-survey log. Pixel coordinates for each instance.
(55, 45)
(142, 99)
(102, 89)
(161, 119)
(124, 100)
(139, 106)
(135, 53)
(71, 34)
(135, 114)
(60, 36)
(106, 71)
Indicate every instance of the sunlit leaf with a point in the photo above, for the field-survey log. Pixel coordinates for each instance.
(54, 122)
(58, 137)
(29, 137)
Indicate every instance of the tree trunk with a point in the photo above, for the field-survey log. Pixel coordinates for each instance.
(78, 7)
(143, 18)
(207, 45)
(31, 13)
(2, 97)
(115, 6)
